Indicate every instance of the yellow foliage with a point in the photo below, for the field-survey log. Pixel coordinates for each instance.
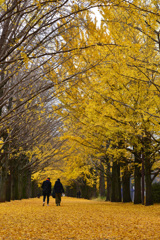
(78, 219)
(1, 143)
(121, 93)
(1, 1)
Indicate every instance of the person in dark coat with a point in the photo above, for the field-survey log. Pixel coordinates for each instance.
(46, 186)
(58, 189)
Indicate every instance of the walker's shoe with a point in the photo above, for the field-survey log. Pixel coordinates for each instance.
(47, 204)
(43, 204)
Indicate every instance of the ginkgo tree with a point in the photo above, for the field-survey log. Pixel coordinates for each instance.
(120, 95)
(101, 81)
(31, 47)
(138, 74)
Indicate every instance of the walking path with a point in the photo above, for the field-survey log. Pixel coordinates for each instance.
(78, 219)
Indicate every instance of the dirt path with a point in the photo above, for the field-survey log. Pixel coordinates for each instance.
(78, 219)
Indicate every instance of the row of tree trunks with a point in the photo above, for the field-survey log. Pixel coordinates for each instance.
(114, 182)
(16, 185)
(116, 195)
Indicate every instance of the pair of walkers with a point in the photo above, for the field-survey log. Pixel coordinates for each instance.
(57, 190)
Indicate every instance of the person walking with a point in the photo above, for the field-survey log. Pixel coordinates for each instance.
(58, 189)
(46, 186)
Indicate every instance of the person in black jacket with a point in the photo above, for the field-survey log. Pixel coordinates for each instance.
(46, 186)
(58, 189)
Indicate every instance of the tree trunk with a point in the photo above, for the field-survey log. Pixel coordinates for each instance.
(94, 194)
(29, 185)
(147, 151)
(20, 185)
(3, 184)
(126, 186)
(4, 170)
(116, 184)
(14, 185)
(8, 188)
(109, 182)
(137, 182)
(102, 181)
(25, 184)
(149, 197)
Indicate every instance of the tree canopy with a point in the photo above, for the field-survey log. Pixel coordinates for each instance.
(75, 92)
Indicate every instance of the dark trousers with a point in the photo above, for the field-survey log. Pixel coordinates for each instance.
(44, 198)
(58, 198)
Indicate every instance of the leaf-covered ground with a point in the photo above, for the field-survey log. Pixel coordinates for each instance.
(78, 219)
